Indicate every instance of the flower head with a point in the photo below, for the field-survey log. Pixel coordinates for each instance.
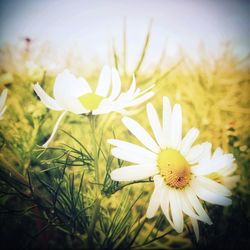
(75, 95)
(222, 168)
(178, 168)
(3, 98)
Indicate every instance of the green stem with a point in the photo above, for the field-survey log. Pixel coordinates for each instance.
(92, 123)
(120, 187)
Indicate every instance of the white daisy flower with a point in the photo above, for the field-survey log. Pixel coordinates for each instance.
(221, 174)
(3, 98)
(176, 165)
(75, 95)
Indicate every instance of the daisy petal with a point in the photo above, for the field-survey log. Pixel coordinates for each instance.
(48, 101)
(155, 123)
(134, 149)
(103, 86)
(196, 228)
(165, 205)
(214, 165)
(186, 206)
(2, 112)
(68, 86)
(176, 127)
(176, 211)
(130, 156)
(133, 173)
(154, 202)
(197, 206)
(218, 152)
(188, 140)
(132, 87)
(45, 145)
(140, 99)
(166, 117)
(211, 197)
(228, 170)
(214, 186)
(195, 153)
(142, 135)
(3, 98)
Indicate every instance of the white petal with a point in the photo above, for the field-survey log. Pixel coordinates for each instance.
(140, 99)
(188, 140)
(154, 202)
(133, 173)
(195, 153)
(214, 165)
(176, 127)
(48, 101)
(104, 82)
(116, 84)
(209, 196)
(3, 98)
(196, 228)
(45, 145)
(132, 87)
(214, 186)
(2, 112)
(165, 204)
(139, 92)
(134, 149)
(197, 206)
(68, 86)
(166, 117)
(206, 155)
(187, 206)
(67, 90)
(217, 152)
(142, 135)
(155, 123)
(130, 156)
(228, 170)
(176, 211)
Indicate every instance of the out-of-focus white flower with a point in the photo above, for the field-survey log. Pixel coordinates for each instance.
(179, 169)
(75, 95)
(224, 175)
(3, 98)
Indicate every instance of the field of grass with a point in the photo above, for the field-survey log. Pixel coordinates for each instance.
(50, 198)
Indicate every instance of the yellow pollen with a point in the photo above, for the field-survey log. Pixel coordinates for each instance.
(174, 168)
(90, 101)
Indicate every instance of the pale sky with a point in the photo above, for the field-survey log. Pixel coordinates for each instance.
(91, 26)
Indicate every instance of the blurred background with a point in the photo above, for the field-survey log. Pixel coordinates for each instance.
(92, 27)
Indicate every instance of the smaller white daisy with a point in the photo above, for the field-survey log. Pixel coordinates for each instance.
(223, 173)
(3, 98)
(218, 167)
(178, 168)
(75, 95)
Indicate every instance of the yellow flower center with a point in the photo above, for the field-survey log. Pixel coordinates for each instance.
(174, 168)
(90, 101)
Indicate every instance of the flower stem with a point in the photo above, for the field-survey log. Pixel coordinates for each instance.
(92, 123)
